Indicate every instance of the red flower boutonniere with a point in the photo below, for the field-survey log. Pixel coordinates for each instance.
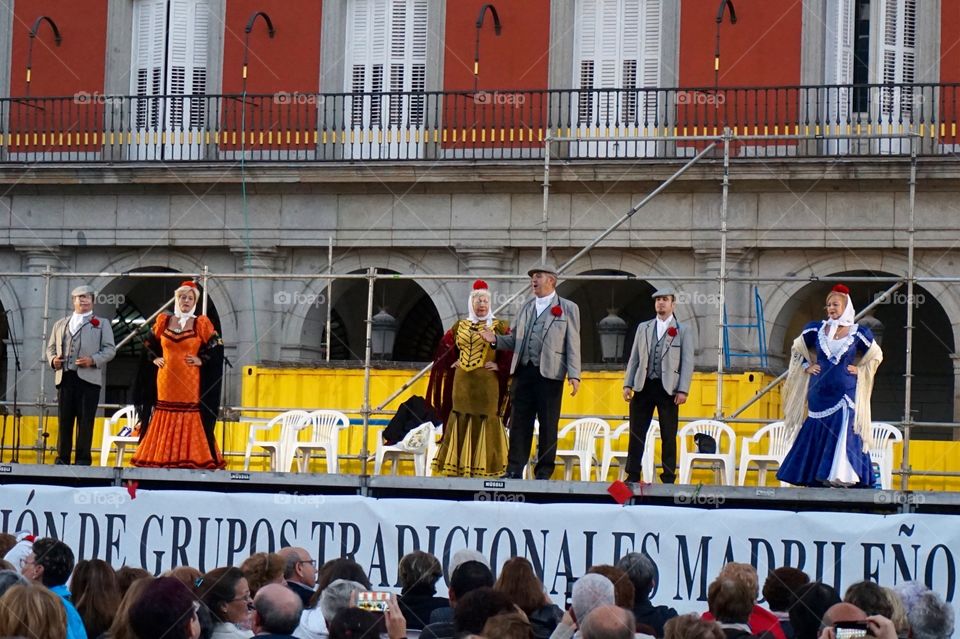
(557, 311)
(94, 322)
(672, 331)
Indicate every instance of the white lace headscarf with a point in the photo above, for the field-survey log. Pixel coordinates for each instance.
(480, 289)
(846, 318)
(184, 316)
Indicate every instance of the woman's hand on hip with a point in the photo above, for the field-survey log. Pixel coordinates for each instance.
(159, 362)
(852, 369)
(813, 369)
(193, 360)
(491, 366)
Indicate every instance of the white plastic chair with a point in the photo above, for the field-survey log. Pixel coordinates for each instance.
(324, 427)
(778, 445)
(611, 454)
(280, 449)
(126, 417)
(416, 444)
(648, 466)
(534, 447)
(586, 431)
(726, 449)
(884, 437)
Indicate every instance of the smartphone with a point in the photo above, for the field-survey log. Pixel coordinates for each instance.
(850, 629)
(373, 600)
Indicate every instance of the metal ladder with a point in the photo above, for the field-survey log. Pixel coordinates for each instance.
(759, 326)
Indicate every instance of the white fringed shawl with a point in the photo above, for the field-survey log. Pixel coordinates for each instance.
(794, 396)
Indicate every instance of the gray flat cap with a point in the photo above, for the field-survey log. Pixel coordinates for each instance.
(666, 291)
(83, 290)
(542, 268)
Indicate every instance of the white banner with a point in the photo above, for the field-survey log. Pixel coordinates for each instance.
(158, 530)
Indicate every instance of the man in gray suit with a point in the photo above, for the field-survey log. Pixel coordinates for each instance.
(658, 376)
(546, 348)
(79, 347)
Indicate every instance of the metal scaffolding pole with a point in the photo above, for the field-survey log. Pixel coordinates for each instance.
(908, 347)
(718, 409)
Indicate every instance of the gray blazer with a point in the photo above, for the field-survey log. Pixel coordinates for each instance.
(561, 341)
(676, 369)
(95, 341)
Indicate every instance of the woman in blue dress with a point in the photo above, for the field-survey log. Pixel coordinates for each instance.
(830, 380)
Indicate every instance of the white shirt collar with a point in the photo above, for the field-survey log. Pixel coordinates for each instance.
(542, 303)
(77, 320)
(662, 326)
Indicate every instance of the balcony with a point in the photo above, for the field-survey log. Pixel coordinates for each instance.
(828, 121)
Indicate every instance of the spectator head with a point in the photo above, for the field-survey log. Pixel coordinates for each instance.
(508, 625)
(930, 617)
(53, 562)
(780, 588)
(730, 600)
(226, 593)
(32, 611)
(910, 593)
(469, 576)
(744, 573)
(336, 597)
(187, 575)
(692, 627)
(842, 612)
(899, 614)
(299, 566)
(354, 623)
(95, 594)
(807, 611)
(263, 568)
(18, 554)
(277, 610)
(476, 607)
(518, 581)
(7, 541)
(127, 575)
(121, 628)
(622, 586)
(419, 571)
(6, 565)
(642, 573)
(464, 555)
(10, 578)
(165, 610)
(870, 598)
(608, 622)
(589, 592)
(342, 568)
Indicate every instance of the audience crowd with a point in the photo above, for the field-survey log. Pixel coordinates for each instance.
(45, 594)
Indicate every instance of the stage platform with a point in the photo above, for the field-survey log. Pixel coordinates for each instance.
(505, 491)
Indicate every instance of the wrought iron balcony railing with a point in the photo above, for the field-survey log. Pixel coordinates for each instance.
(768, 122)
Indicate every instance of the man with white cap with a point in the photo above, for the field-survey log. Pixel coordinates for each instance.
(658, 375)
(546, 349)
(79, 348)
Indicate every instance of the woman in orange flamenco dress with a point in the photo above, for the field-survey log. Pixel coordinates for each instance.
(177, 436)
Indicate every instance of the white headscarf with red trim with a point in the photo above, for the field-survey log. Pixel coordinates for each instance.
(480, 288)
(846, 318)
(182, 316)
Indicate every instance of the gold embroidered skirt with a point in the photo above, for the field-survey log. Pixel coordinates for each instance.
(474, 441)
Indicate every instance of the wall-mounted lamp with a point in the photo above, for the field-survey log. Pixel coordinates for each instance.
(476, 53)
(33, 34)
(246, 39)
(724, 5)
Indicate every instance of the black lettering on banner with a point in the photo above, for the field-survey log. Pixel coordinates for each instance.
(788, 547)
(588, 536)
(116, 530)
(349, 533)
(448, 545)
(402, 531)
(567, 566)
(690, 572)
(34, 527)
(145, 544)
(202, 543)
(179, 540)
(947, 590)
(378, 560)
(902, 571)
(284, 540)
(432, 543)
(495, 546)
(871, 571)
(536, 557)
(88, 520)
(236, 541)
(324, 526)
(255, 536)
(618, 546)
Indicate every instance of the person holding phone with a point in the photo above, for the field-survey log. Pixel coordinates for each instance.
(467, 386)
(830, 381)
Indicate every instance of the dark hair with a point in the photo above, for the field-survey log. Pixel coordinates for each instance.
(7, 541)
(163, 611)
(262, 568)
(730, 600)
(128, 574)
(518, 581)
(95, 594)
(623, 590)
(508, 625)
(353, 623)
(476, 607)
(692, 627)
(870, 598)
(468, 576)
(340, 568)
(419, 571)
(218, 588)
(813, 600)
(56, 559)
(642, 573)
(780, 588)
(10, 578)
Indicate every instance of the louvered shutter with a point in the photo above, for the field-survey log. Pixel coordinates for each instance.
(839, 60)
(650, 57)
(897, 58)
(189, 35)
(147, 74)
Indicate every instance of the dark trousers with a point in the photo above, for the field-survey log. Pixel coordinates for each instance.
(651, 396)
(77, 401)
(534, 397)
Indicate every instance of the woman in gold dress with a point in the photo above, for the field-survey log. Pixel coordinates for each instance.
(474, 442)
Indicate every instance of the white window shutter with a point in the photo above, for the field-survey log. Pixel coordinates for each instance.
(147, 74)
(897, 57)
(650, 57)
(586, 49)
(838, 61)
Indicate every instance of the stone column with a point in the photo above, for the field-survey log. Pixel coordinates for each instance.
(29, 323)
(704, 297)
(258, 318)
(955, 358)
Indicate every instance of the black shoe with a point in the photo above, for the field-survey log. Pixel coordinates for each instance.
(509, 475)
(632, 478)
(545, 477)
(60, 462)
